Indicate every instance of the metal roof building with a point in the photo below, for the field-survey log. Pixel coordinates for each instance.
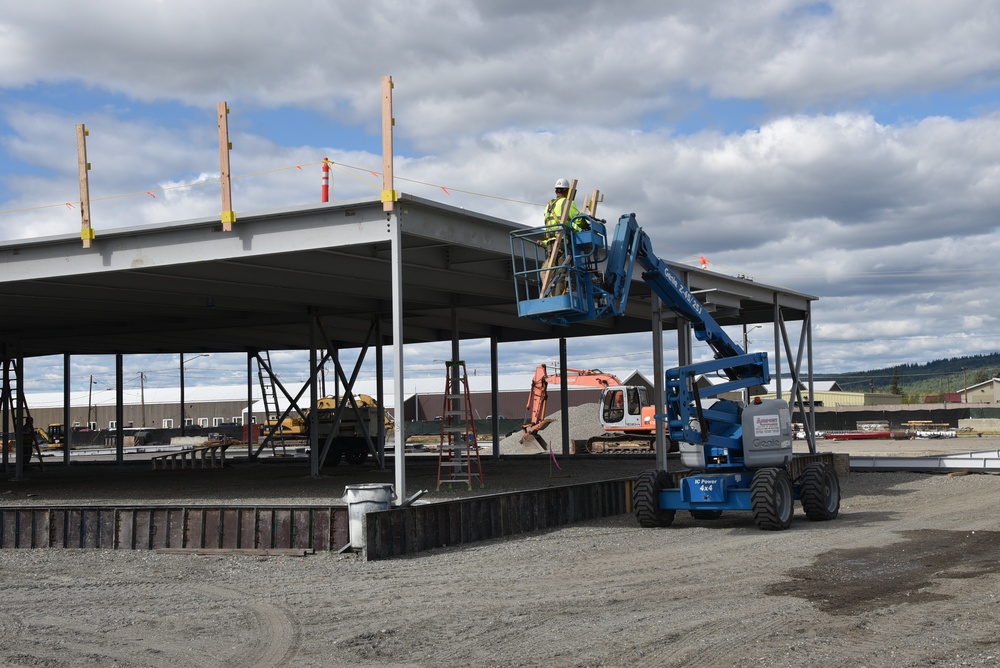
(327, 276)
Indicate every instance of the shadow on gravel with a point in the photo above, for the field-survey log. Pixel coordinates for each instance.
(848, 582)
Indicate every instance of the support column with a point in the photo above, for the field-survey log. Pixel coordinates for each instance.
(658, 381)
(19, 418)
(776, 376)
(811, 428)
(396, 244)
(248, 421)
(119, 408)
(380, 395)
(313, 410)
(564, 396)
(495, 394)
(67, 406)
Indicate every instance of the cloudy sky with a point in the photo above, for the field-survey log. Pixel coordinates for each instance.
(845, 149)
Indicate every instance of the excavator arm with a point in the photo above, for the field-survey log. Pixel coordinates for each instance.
(538, 397)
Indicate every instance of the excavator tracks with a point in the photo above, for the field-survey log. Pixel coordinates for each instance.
(615, 444)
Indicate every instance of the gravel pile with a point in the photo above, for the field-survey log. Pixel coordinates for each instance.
(584, 423)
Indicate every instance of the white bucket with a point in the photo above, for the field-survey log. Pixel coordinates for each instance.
(363, 499)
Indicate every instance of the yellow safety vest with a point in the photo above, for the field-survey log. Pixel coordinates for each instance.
(553, 216)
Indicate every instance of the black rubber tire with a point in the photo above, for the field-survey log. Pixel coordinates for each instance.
(646, 496)
(356, 457)
(771, 499)
(706, 514)
(819, 492)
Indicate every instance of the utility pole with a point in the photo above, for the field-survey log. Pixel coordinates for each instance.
(90, 401)
(965, 383)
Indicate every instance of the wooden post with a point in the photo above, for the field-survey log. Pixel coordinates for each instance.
(389, 194)
(550, 275)
(590, 206)
(86, 231)
(225, 146)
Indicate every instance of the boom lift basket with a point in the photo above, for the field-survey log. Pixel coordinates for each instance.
(565, 291)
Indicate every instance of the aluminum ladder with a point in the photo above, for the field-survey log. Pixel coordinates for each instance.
(458, 451)
(15, 405)
(270, 397)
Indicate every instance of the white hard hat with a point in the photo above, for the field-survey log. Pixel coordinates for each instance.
(562, 184)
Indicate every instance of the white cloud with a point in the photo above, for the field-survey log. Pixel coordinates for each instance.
(784, 140)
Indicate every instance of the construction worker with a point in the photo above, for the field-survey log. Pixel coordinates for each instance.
(553, 219)
(554, 210)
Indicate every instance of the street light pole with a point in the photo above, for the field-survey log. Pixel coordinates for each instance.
(183, 362)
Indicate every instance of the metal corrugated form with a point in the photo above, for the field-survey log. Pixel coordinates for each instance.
(399, 531)
(320, 528)
(388, 533)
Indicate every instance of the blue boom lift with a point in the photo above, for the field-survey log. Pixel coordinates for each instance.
(737, 457)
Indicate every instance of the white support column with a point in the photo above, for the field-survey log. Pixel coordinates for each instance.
(67, 406)
(658, 380)
(314, 463)
(776, 376)
(396, 256)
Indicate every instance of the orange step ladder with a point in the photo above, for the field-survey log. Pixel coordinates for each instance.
(458, 452)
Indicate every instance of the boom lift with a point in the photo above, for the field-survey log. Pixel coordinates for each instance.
(738, 456)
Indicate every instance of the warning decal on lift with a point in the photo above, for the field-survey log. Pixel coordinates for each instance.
(766, 425)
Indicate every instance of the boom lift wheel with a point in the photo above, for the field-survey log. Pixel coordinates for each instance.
(771, 499)
(819, 491)
(646, 499)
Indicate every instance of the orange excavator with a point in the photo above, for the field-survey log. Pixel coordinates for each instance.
(626, 412)
(538, 398)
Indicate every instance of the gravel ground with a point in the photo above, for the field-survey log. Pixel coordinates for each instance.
(906, 576)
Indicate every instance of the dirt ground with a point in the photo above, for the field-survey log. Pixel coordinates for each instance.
(906, 576)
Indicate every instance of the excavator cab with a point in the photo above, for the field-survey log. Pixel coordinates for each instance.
(621, 406)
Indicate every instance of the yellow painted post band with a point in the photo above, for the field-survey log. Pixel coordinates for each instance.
(390, 195)
(228, 216)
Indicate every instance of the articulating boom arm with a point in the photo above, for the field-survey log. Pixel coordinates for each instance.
(669, 288)
(594, 283)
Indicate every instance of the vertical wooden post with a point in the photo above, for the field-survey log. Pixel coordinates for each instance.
(389, 194)
(86, 231)
(590, 205)
(225, 146)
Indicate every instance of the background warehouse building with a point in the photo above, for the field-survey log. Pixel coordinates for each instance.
(216, 406)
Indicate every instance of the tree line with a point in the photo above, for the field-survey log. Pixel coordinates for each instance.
(916, 381)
